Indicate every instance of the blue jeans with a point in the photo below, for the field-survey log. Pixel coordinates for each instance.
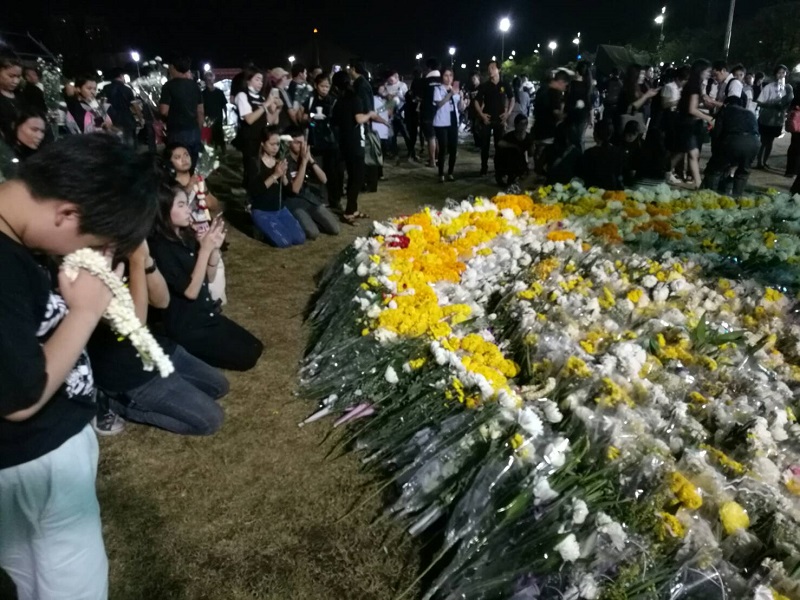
(189, 138)
(279, 227)
(184, 402)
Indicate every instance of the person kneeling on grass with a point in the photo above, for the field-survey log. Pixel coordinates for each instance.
(302, 200)
(184, 402)
(603, 165)
(267, 190)
(192, 319)
(513, 150)
(82, 191)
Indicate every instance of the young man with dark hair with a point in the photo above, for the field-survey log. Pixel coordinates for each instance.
(548, 112)
(727, 85)
(121, 105)
(299, 89)
(511, 158)
(181, 106)
(32, 94)
(433, 79)
(82, 191)
(214, 107)
(493, 103)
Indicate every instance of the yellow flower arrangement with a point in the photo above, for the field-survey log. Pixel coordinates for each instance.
(684, 490)
(733, 517)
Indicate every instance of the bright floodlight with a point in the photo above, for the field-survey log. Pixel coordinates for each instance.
(206, 68)
(552, 45)
(494, 57)
(463, 66)
(99, 73)
(452, 51)
(291, 58)
(659, 19)
(576, 41)
(513, 53)
(663, 9)
(505, 24)
(419, 56)
(135, 56)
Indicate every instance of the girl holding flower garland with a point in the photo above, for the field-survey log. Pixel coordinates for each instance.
(188, 263)
(84, 113)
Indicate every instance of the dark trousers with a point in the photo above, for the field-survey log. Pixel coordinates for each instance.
(732, 151)
(412, 128)
(399, 128)
(250, 160)
(184, 402)
(334, 171)
(793, 156)
(496, 129)
(189, 138)
(356, 171)
(225, 345)
(447, 140)
(509, 162)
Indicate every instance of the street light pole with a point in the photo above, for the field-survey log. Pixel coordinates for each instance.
(729, 29)
(505, 25)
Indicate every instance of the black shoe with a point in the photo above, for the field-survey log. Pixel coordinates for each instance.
(484, 171)
(499, 181)
(106, 422)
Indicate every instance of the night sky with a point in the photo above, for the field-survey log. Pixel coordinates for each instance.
(268, 31)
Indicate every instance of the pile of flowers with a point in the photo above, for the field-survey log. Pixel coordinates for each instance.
(589, 399)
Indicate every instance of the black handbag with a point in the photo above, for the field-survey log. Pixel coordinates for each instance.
(373, 152)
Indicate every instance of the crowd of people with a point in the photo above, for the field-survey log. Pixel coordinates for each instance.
(310, 141)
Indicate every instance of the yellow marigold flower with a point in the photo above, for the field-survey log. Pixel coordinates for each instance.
(560, 236)
(612, 453)
(776, 595)
(635, 295)
(708, 362)
(373, 281)
(588, 346)
(365, 331)
(517, 440)
(725, 461)
(485, 251)
(670, 527)
(733, 517)
(608, 300)
(527, 295)
(375, 258)
(724, 284)
(698, 398)
(684, 491)
(729, 294)
(440, 330)
(611, 394)
(772, 295)
(790, 415)
(364, 286)
(417, 363)
(770, 239)
(575, 367)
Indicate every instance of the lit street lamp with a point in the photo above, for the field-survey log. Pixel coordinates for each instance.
(552, 45)
(135, 57)
(206, 68)
(291, 60)
(452, 52)
(660, 21)
(418, 57)
(505, 25)
(577, 42)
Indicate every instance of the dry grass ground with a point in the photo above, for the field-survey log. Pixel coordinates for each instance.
(253, 512)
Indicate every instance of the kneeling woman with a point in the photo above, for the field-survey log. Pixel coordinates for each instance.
(267, 190)
(192, 318)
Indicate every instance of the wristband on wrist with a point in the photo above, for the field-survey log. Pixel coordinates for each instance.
(151, 269)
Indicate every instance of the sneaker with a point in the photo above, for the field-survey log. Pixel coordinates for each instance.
(672, 180)
(106, 422)
(450, 177)
(441, 178)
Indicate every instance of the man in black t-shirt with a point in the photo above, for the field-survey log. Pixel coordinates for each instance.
(181, 106)
(214, 105)
(548, 112)
(121, 106)
(82, 191)
(493, 103)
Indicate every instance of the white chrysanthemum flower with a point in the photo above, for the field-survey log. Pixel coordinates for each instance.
(579, 511)
(391, 375)
(587, 587)
(530, 422)
(569, 549)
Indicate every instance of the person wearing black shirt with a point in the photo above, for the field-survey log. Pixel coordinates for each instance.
(32, 94)
(511, 158)
(11, 100)
(214, 105)
(183, 402)
(411, 112)
(324, 146)
(548, 112)
(29, 133)
(181, 106)
(84, 112)
(602, 165)
(493, 103)
(348, 118)
(121, 106)
(81, 191)
(734, 143)
(267, 191)
(192, 319)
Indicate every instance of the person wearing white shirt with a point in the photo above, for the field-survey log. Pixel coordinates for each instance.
(447, 102)
(773, 102)
(394, 92)
(255, 113)
(727, 85)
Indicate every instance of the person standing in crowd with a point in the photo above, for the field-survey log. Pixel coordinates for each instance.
(278, 84)
(32, 93)
(299, 90)
(214, 108)
(349, 116)
(394, 92)
(10, 98)
(670, 98)
(427, 109)
(727, 86)
(773, 102)
(322, 139)
(411, 109)
(734, 144)
(302, 200)
(750, 92)
(692, 121)
(793, 128)
(635, 101)
(612, 96)
(493, 103)
(758, 84)
(511, 158)
(445, 123)
(470, 93)
(121, 106)
(578, 103)
(266, 191)
(646, 83)
(192, 319)
(522, 103)
(185, 402)
(82, 191)
(255, 113)
(548, 112)
(181, 106)
(84, 113)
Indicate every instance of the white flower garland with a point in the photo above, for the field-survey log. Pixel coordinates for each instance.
(121, 312)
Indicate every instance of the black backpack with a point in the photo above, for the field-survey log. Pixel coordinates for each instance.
(741, 100)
